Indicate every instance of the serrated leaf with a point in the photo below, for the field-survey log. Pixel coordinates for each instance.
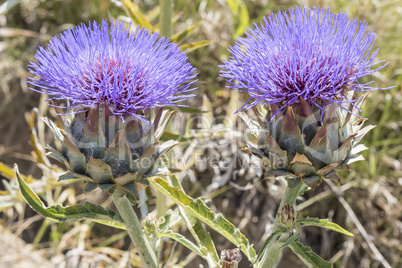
(308, 257)
(73, 213)
(202, 237)
(182, 240)
(195, 45)
(199, 210)
(324, 223)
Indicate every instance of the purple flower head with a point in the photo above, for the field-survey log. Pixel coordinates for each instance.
(128, 71)
(309, 54)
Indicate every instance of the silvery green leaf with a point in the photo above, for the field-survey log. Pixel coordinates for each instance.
(309, 258)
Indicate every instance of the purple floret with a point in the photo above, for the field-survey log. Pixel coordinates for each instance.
(128, 71)
(309, 54)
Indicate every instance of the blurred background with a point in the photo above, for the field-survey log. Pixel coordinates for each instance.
(367, 204)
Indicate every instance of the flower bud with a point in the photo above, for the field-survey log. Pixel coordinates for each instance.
(150, 224)
(286, 217)
(230, 258)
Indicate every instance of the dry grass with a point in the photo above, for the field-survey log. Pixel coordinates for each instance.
(368, 204)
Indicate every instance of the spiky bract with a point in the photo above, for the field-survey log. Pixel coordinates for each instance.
(301, 144)
(106, 152)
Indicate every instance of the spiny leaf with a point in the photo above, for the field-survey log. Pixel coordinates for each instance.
(308, 257)
(199, 210)
(73, 213)
(324, 224)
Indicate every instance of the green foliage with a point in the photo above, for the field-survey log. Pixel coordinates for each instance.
(199, 210)
(195, 45)
(308, 257)
(272, 238)
(290, 237)
(323, 223)
(182, 240)
(202, 237)
(135, 14)
(77, 212)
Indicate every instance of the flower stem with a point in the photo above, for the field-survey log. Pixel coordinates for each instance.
(272, 251)
(134, 229)
(165, 19)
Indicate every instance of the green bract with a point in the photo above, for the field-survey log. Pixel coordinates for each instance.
(304, 144)
(105, 152)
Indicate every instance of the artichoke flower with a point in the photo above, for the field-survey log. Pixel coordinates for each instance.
(110, 81)
(301, 70)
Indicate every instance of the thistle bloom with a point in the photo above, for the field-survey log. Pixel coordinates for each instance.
(305, 66)
(108, 73)
(128, 71)
(314, 55)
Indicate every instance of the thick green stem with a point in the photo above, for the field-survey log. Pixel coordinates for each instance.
(165, 20)
(272, 251)
(134, 229)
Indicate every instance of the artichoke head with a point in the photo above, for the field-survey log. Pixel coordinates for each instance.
(305, 143)
(106, 152)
